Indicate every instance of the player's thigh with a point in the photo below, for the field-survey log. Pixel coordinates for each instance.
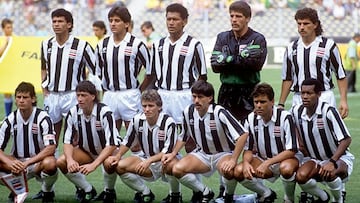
(191, 164)
(81, 156)
(128, 164)
(307, 170)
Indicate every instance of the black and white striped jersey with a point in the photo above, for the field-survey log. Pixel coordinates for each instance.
(322, 132)
(217, 131)
(118, 65)
(271, 138)
(29, 137)
(65, 64)
(318, 60)
(153, 139)
(93, 134)
(177, 65)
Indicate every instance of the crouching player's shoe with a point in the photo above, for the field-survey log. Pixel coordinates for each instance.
(174, 197)
(149, 198)
(48, 197)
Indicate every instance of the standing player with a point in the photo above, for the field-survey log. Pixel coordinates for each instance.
(149, 33)
(90, 124)
(99, 29)
(351, 61)
(34, 144)
(119, 59)
(7, 28)
(219, 138)
(156, 134)
(326, 140)
(63, 60)
(313, 56)
(238, 56)
(272, 136)
(178, 60)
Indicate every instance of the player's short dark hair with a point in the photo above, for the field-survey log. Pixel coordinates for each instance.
(148, 24)
(241, 7)
(26, 87)
(89, 87)
(6, 21)
(100, 24)
(122, 12)
(311, 14)
(178, 8)
(64, 13)
(263, 89)
(318, 87)
(151, 95)
(203, 87)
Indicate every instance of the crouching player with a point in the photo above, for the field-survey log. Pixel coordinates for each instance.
(270, 149)
(326, 140)
(156, 133)
(34, 144)
(91, 125)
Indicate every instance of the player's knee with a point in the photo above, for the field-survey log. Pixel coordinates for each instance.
(178, 170)
(301, 177)
(61, 164)
(49, 164)
(287, 170)
(238, 172)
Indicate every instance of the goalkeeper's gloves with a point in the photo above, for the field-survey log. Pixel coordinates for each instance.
(220, 58)
(251, 51)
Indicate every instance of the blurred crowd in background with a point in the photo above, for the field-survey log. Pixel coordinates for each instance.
(207, 17)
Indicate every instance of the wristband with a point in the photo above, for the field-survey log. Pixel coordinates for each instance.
(333, 162)
(282, 105)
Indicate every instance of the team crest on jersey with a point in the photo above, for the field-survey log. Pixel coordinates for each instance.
(103, 50)
(161, 135)
(49, 50)
(184, 50)
(191, 121)
(320, 123)
(72, 53)
(320, 52)
(141, 129)
(277, 132)
(128, 51)
(34, 128)
(212, 124)
(241, 47)
(98, 125)
(256, 128)
(161, 48)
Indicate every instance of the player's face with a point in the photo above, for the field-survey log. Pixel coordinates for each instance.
(146, 31)
(151, 110)
(306, 27)
(201, 102)
(175, 24)
(60, 25)
(24, 101)
(238, 21)
(117, 26)
(263, 106)
(85, 101)
(308, 96)
(8, 29)
(98, 32)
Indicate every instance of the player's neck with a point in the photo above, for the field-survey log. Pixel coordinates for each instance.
(175, 36)
(62, 38)
(118, 37)
(240, 33)
(308, 40)
(25, 113)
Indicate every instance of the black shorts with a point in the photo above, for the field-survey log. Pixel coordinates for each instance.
(237, 99)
